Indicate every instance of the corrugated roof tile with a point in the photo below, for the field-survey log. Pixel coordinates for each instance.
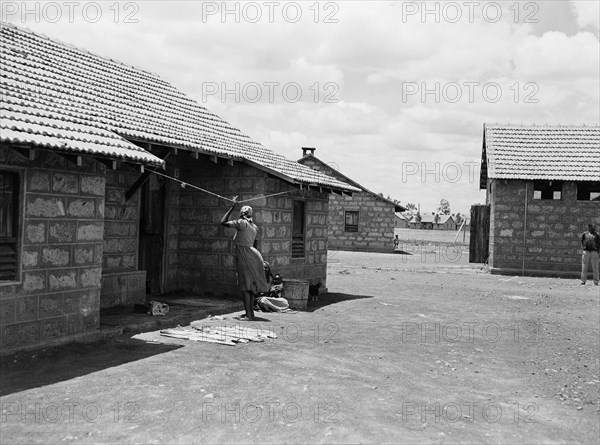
(558, 152)
(57, 95)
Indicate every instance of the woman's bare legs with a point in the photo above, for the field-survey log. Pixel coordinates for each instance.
(248, 304)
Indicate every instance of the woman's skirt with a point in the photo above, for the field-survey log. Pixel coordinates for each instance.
(250, 270)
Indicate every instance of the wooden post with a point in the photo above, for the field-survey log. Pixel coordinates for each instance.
(458, 233)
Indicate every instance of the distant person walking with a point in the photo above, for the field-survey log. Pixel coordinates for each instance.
(590, 242)
(396, 242)
(249, 262)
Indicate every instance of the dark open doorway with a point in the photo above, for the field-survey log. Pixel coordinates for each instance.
(479, 248)
(152, 232)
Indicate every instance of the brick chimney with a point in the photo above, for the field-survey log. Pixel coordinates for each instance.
(308, 150)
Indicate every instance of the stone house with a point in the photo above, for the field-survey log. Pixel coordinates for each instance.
(430, 222)
(402, 222)
(543, 187)
(89, 215)
(363, 221)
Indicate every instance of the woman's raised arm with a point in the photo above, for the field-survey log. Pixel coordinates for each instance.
(225, 218)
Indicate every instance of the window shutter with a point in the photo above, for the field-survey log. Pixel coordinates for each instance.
(9, 214)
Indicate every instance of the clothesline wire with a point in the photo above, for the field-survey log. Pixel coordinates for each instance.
(187, 184)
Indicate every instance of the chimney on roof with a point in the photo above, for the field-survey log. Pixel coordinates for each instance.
(308, 150)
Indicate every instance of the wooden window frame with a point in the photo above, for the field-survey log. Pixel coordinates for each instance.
(351, 228)
(588, 191)
(298, 244)
(547, 190)
(15, 242)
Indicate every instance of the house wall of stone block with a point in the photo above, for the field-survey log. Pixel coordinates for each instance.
(56, 296)
(542, 236)
(200, 256)
(376, 221)
(377, 218)
(122, 281)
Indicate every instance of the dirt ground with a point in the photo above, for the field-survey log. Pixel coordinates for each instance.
(403, 349)
(447, 236)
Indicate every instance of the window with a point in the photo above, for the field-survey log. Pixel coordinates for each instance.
(551, 190)
(298, 229)
(351, 221)
(9, 223)
(588, 191)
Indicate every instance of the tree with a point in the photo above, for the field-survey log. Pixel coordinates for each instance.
(444, 208)
(411, 210)
(418, 217)
(459, 218)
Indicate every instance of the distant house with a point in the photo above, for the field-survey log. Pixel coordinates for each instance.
(88, 219)
(364, 221)
(543, 187)
(402, 222)
(447, 222)
(431, 222)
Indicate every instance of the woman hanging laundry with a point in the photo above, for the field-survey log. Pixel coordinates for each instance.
(249, 261)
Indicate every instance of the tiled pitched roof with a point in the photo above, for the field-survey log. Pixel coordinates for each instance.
(342, 177)
(570, 153)
(58, 96)
(431, 219)
(22, 124)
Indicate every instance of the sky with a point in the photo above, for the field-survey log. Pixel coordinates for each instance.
(393, 94)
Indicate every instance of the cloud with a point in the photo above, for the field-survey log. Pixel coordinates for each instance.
(556, 56)
(543, 57)
(343, 118)
(587, 13)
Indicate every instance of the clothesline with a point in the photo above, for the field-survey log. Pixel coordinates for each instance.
(187, 184)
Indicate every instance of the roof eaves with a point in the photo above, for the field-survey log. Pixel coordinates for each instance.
(360, 188)
(295, 181)
(483, 169)
(85, 145)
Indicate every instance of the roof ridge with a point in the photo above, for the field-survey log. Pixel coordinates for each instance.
(534, 125)
(352, 181)
(151, 109)
(76, 48)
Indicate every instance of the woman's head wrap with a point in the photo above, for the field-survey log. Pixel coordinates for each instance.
(246, 212)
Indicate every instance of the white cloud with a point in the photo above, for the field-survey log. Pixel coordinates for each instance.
(556, 56)
(369, 54)
(587, 12)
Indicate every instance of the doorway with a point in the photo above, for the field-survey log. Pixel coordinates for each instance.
(479, 248)
(152, 233)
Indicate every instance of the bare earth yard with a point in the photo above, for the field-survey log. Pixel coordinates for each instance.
(443, 236)
(403, 349)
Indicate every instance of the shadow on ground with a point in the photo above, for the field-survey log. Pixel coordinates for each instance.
(183, 308)
(331, 298)
(23, 371)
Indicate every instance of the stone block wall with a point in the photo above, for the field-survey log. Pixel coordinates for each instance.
(547, 240)
(376, 220)
(122, 282)
(200, 251)
(57, 293)
(275, 221)
(123, 288)
(375, 223)
(121, 221)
